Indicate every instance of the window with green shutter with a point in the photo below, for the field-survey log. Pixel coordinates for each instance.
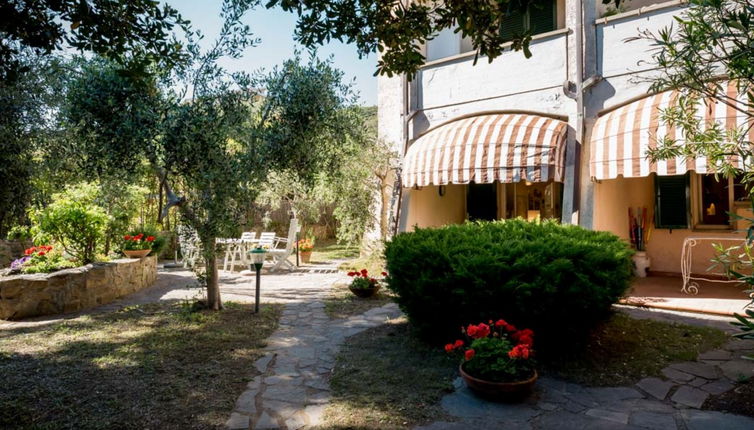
(540, 18)
(672, 201)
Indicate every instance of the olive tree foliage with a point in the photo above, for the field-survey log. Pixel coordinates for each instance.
(134, 33)
(26, 124)
(399, 28)
(203, 132)
(190, 125)
(711, 40)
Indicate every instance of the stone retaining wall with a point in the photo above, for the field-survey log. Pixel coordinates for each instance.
(11, 250)
(70, 290)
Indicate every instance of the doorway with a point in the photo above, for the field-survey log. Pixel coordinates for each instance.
(481, 202)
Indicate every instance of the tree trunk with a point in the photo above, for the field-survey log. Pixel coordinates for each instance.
(213, 284)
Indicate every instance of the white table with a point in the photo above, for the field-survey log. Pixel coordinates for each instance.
(690, 286)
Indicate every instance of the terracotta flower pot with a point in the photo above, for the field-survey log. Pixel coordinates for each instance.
(500, 391)
(364, 292)
(305, 256)
(137, 253)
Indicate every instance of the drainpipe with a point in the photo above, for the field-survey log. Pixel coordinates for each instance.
(575, 90)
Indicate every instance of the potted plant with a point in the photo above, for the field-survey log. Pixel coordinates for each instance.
(305, 247)
(497, 360)
(137, 246)
(364, 285)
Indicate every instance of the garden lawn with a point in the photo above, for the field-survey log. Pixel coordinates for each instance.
(387, 379)
(157, 366)
(624, 350)
(342, 303)
(328, 250)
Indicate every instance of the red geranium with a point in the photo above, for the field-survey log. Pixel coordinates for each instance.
(150, 238)
(519, 352)
(469, 354)
(449, 347)
(364, 272)
(127, 237)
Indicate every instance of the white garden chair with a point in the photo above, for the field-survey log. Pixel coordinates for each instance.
(280, 256)
(267, 239)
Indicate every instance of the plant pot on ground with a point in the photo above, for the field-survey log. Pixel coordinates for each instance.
(364, 285)
(305, 247)
(497, 360)
(305, 256)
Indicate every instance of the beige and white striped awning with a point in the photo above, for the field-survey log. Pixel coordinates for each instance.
(621, 138)
(504, 147)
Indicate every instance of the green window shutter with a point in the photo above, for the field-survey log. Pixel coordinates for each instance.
(512, 25)
(542, 16)
(672, 201)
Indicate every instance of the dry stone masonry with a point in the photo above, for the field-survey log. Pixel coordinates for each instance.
(70, 290)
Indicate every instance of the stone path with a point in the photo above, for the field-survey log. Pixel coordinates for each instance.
(672, 401)
(293, 389)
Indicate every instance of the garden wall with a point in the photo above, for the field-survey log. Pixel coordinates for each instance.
(10, 250)
(70, 290)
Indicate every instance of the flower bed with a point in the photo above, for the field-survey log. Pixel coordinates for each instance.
(70, 290)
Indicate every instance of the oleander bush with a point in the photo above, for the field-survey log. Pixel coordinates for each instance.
(556, 279)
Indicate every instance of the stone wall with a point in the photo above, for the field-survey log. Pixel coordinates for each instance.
(70, 290)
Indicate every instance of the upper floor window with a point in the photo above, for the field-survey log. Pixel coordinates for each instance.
(540, 18)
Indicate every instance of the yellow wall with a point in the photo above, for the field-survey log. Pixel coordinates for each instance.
(427, 208)
(612, 198)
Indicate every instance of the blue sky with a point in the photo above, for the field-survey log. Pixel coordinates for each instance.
(275, 29)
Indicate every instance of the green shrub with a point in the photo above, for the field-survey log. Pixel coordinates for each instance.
(75, 225)
(558, 280)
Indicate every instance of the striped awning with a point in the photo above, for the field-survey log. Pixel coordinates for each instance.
(487, 148)
(621, 138)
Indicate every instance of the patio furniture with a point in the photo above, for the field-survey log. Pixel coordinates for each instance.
(690, 286)
(267, 239)
(280, 256)
(236, 250)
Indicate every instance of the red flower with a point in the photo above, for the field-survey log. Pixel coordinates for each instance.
(29, 251)
(458, 344)
(449, 347)
(501, 323)
(127, 237)
(483, 330)
(41, 253)
(150, 238)
(471, 330)
(139, 236)
(469, 354)
(510, 327)
(525, 336)
(519, 351)
(384, 273)
(351, 273)
(364, 272)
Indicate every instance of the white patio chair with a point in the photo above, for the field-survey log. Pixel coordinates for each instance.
(267, 239)
(280, 256)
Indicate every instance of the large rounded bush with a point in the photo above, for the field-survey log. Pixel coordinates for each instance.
(558, 280)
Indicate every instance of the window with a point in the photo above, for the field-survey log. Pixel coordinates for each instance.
(540, 18)
(671, 206)
(531, 200)
(716, 198)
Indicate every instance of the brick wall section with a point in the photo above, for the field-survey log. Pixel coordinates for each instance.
(70, 290)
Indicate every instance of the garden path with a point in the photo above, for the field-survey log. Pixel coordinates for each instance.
(671, 402)
(293, 389)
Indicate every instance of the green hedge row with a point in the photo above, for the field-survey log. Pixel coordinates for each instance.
(555, 279)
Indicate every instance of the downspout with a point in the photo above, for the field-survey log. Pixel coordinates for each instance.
(405, 119)
(575, 90)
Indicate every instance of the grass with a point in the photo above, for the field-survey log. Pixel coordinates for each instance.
(329, 249)
(342, 303)
(385, 379)
(161, 365)
(374, 263)
(624, 350)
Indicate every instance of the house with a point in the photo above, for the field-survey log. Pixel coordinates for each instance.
(561, 135)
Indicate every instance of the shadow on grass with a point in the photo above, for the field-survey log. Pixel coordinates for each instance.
(148, 366)
(384, 378)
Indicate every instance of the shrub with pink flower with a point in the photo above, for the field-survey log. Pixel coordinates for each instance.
(495, 351)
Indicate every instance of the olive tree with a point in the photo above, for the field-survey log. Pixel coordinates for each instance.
(207, 135)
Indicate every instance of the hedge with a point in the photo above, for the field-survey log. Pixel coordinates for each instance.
(555, 279)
